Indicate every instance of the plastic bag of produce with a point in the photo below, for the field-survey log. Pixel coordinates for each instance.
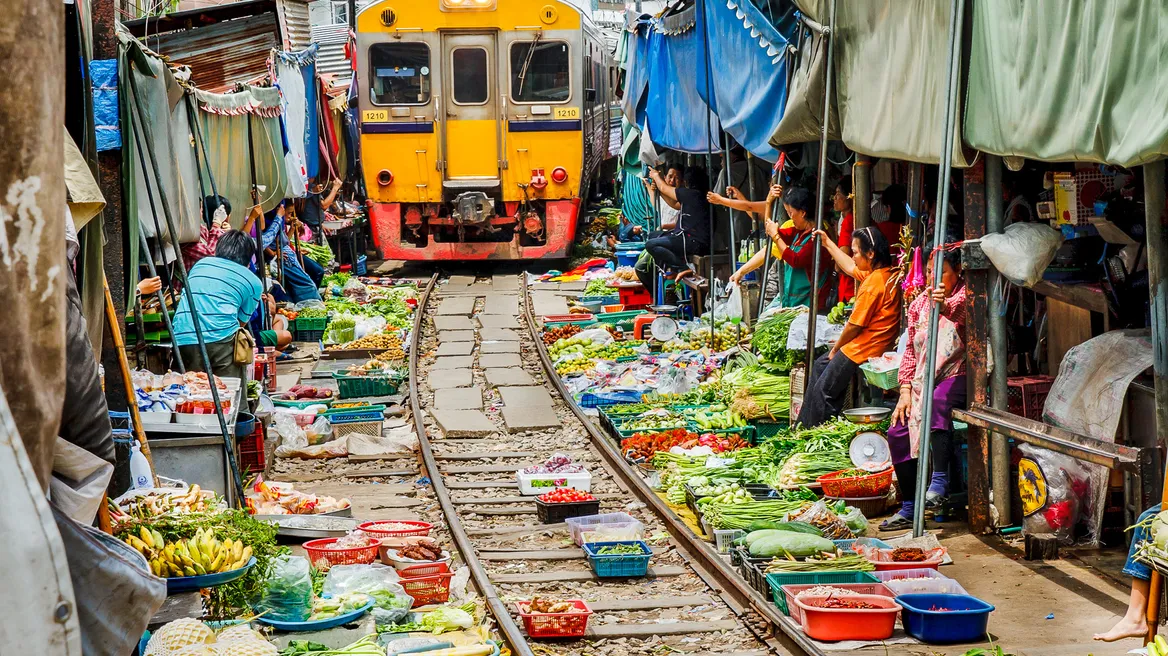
(822, 518)
(287, 595)
(369, 326)
(376, 580)
(730, 308)
(597, 335)
(855, 520)
(292, 436)
(1023, 251)
(311, 303)
(319, 432)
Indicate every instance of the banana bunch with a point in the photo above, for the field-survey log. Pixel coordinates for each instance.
(194, 556)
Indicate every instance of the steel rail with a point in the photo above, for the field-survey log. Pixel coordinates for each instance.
(753, 608)
(510, 630)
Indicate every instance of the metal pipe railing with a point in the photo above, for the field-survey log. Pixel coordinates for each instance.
(820, 210)
(956, 24)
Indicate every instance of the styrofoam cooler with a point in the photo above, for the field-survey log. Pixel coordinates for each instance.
(536, 484)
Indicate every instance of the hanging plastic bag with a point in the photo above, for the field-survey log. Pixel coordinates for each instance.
(916, 273)
(287, 595)
(729, 309)
(1023, 251)
(377, 581)
(1053, 488)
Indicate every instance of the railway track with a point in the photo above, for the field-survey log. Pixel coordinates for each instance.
(486, 403)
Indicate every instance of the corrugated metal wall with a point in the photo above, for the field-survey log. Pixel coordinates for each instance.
(331, 56)
(296, 27)
(222, 54)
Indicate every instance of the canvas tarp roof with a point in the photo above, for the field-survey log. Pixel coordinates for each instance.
(1058, 81)
(890, 74)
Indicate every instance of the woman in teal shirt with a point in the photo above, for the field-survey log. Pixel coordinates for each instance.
(226, 294)
(795, 248)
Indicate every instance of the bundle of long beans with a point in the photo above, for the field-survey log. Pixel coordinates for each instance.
(848, 563)
(742, 515)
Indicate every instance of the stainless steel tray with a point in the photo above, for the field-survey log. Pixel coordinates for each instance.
(331, 526)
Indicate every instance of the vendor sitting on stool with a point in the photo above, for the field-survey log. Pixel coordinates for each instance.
(692, 234)
(948, 390)
(872, 329)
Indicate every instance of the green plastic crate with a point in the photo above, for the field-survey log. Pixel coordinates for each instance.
(764, 430)
(556, 324)
(281, 403)
(745, 432)
(776, 580)
(622, 319)
(311, 323)
(352, 387)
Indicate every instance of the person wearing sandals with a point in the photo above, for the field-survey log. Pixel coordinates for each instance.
(948, 390)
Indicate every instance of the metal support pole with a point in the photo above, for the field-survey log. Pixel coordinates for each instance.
(976, 352)
(1000, 458)
(819, 197)
(140, 125)
(261, 268)
(956, 24)
(709, 167)
(862, 191)
(776, 206)
(729, 213)
(916, 192)
(1158, 286)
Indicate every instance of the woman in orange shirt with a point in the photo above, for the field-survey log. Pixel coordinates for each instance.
(871, 330)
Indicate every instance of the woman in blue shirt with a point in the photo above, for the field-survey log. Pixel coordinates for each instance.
(225, 293)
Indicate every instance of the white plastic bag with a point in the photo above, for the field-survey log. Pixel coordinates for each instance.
(597, 335)
(376, 580)
(79, 481)
(729, 309)
(369, 326)
(1023, 251)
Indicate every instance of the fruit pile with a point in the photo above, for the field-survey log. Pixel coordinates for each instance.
(723, 494)
(715, 417)
(194, 556)
(726, 337)
(614, 350)
(391, 343)
(565, 495)
(839, 314)
(552, 335)
(575, 366)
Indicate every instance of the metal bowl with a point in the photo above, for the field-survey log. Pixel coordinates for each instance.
(866, 416)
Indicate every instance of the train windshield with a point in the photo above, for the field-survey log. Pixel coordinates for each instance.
(540, 72)
(400, 72)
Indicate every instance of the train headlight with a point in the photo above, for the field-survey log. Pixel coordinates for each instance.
(448, 5)
(384, 177)
(559, 175)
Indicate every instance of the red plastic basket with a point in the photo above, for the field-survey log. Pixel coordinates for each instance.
(555, 625)
(834, 624)
(428, 569)
(420, 529)
(251, 451)
(857, 487)
(425, 587)
(323, 556)
(1027, 395)
(791, 592)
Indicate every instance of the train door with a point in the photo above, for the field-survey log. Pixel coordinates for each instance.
(472, 110)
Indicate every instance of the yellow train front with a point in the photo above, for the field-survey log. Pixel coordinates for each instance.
(483, 124)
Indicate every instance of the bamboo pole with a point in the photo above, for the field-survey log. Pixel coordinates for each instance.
(111, 317)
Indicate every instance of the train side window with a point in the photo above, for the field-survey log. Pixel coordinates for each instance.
(541, 72)
(471, 78)
(400, 73)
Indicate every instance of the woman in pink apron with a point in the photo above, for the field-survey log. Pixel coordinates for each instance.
(948, 392)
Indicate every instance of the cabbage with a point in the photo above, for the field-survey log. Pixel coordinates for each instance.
(446, 619)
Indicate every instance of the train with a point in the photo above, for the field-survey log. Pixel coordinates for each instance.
(483, 125)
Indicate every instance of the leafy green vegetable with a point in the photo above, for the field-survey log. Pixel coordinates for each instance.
(770, 339)
(446, 618)
(338, 279)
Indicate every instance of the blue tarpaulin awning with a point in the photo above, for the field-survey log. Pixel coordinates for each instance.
(748, 65)
(674, 112)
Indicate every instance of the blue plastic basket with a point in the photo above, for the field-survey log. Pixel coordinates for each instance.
(846, 545)
(965, 619)
(360, 413)
(627, 258)
(622, 565)
(362, 266)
